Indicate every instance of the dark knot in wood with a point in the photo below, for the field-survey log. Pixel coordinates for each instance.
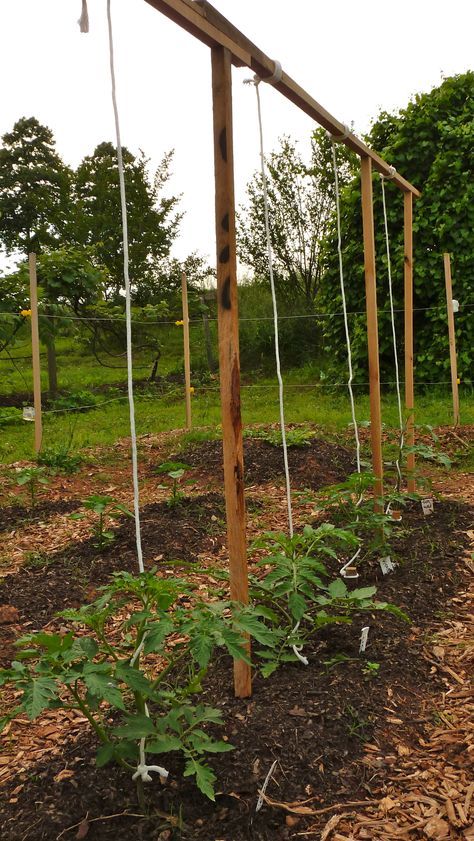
(225, 294)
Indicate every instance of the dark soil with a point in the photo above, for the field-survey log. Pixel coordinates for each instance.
(67, 578)
(15, 515)
(313, 720)
(313, 466)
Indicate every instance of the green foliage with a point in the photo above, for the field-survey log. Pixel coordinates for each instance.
(152, 218)
(104, 507)
(296, 596)
(31, 476)
(301, 198)
(35, 188)
(175, 470)
(107, 671)
(80, 400)
(60, 459)
(9, 415)
(430, 142)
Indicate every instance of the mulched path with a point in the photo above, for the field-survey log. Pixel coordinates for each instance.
(338, 735)
(321, 723)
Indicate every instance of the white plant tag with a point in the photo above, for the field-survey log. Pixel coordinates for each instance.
(427, 506)
(28, 413)
(363, 639)
(455, 305)
(387, 565)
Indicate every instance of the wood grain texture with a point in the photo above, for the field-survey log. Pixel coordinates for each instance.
(372, 327)
(409, 370)
(452, 338)
(202, 20)
(35, 351)
(228, 324)
(187, 355)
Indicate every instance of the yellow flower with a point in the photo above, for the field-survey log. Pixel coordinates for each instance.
(25, 313)
(179, 323)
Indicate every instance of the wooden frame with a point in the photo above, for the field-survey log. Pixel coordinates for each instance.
(230, 47)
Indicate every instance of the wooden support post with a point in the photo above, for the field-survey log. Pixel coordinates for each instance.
(187, 358)
(452, 338)
(35, 352)
(372, 327)
(228, 323)
(409, 373)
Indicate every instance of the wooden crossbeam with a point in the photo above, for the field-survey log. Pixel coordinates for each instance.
(203, 21)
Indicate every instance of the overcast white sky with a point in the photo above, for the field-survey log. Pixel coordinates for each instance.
(353, 57)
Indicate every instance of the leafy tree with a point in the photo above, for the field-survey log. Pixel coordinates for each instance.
(152, 218)
(430, 142)
(301, 200)
(68, 283)
(35, 189)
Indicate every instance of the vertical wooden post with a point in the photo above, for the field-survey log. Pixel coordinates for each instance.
(452, 338)
(409, 373)
(372, 327)
(35, 352)
(187, 361)
(228, 323)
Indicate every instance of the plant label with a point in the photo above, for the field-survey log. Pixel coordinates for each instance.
(427, 506)
(387, 565)
(364, 636)
(28, 413)
(455, 305)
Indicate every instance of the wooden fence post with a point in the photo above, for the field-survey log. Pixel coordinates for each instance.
(372, 327)
(35, 351)
(187, 359)
(452, 338)
(228, 322)
(409, 372)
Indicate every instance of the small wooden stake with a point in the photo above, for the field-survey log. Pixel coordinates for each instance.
(187, 362)
(452, 338)
(228, 322)
(372, 328)
(409, 374)
(35, 351)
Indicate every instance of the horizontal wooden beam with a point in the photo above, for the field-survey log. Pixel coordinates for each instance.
(203, 21)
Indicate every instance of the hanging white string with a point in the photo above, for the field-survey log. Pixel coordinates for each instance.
(143, 770)
(346, 571)
(128, 309)
(256, 81)
(394, 333)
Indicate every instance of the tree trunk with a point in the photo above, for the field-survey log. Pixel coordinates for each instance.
(52, 367)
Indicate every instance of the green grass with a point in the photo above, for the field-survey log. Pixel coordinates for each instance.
(105, 425)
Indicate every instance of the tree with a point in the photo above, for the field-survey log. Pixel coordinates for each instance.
(301, 201)
(68, 283)
(152, 218)
(35, 188)
(430, 142)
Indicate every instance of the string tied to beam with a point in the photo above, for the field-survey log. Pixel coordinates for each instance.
(391, 174)
(275, 77)
(338, 138)
(84, 18)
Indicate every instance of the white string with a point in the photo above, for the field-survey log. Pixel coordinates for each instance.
(128, 309)
(394, 334)
(275, 313)
(143, 770)
(297, 649)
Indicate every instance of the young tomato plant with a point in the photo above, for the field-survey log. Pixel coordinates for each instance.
(31, 476)
(108, 670)
(295, 596)
(103, 507)
(175, 470)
